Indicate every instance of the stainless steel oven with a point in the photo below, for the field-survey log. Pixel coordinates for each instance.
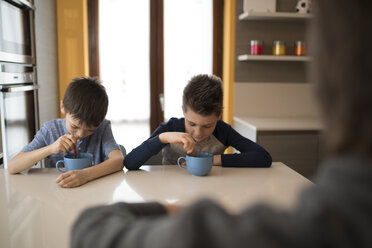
(19, 108)
(17, 31)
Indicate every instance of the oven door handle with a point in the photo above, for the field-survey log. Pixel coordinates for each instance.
(24, 3)
(20, 88)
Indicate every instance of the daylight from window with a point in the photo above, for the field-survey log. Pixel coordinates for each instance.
(188, 46)
(124, 59)
(124, 32)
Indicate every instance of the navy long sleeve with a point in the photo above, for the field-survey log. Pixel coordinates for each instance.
(151, 146)
(251, 154)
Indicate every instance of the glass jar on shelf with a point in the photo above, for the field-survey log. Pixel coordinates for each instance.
(278, 47)
(256, 47)
(299, 48)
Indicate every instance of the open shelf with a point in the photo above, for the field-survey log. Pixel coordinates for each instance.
(247, 57)
(275, 15)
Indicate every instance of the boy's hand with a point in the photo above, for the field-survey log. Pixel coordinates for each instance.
(182, 139)
(73, 178)
(64, 143)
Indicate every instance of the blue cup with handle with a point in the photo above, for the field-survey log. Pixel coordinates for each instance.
(199, 165)
(83, 160)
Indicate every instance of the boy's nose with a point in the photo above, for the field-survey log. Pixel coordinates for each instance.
(79, 134)
(197, 131)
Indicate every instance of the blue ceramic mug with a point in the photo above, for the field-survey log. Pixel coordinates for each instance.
(82, 161)
(199, 165)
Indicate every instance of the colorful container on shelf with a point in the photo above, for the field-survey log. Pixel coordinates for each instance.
(299, 48)
(278, 47)
(256, 47)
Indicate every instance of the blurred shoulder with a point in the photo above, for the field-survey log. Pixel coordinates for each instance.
(174, 123)
(221, 125)
(104, 124)
(54, 123)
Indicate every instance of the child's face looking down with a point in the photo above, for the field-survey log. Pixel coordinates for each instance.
(198, 126)
(77, 128)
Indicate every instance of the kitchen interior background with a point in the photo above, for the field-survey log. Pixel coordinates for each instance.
(269, 89)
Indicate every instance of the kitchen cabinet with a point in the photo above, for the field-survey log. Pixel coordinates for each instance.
(271, 90)
(297, 142)
(18, 77)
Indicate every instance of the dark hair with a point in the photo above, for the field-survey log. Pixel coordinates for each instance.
(343, 72)
(203, 94)
(86, 100)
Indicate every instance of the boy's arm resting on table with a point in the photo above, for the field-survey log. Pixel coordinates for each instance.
(247, 159)
(25, 160)
(77, 178)
(251, 154)
(139, 155)
(150, 147)
(154, 144)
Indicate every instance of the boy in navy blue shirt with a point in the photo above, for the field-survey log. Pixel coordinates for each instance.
(201, 129)
(85, 104)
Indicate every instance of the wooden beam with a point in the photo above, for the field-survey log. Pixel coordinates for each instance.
(72, 31)
(228, 59)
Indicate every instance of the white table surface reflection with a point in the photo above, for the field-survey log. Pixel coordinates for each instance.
(35, 212)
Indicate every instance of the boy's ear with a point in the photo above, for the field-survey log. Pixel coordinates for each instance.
(62, 107)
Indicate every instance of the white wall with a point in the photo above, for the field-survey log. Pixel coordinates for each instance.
(46, 59)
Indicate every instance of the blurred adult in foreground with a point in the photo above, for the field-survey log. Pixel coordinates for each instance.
(334, 213)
